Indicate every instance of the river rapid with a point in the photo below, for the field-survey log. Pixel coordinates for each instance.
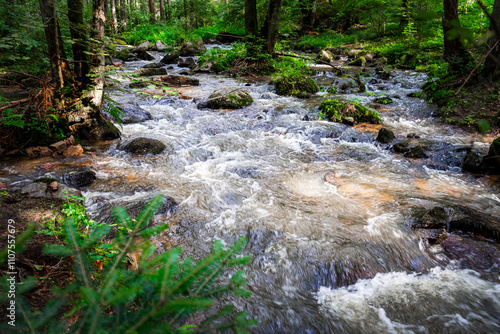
(328, 257)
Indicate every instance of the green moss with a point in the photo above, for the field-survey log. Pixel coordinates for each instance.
(337, 111)
(302, 86)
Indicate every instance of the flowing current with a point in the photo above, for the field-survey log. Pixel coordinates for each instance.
(328, 257)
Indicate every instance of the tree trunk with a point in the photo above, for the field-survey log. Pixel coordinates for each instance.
(152, 13)
(60, 70)
(269, 30)
(78, 32)
(123, 14)
(251, 18)
(307, 11)
(163, 18)
(98, 61)
(106, 8)
(114, 21)
(404, 15)
(454, 52)
(492, 65)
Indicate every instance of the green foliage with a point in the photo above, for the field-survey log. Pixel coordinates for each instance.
(159, 297)
(224, 57)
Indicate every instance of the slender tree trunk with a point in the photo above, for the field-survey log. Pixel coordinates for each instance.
(114, 21)
(163, 18)
(98, 61)
(106, 8)
(123, 14)
(251, 18)
(454, 52)
(492, 65)
(78, 32)
(60, 69)
(307, 11)
(404, 15)
(269, 30)
(152, 17)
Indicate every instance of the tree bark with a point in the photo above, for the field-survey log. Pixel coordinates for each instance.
(250, 18)
(98, 61)
(123, 14)
(404, 15)
(163, 18)
(269, 30)
(454, 52)
(78, 32)
(60, 70)
(492, 65)
(152, 17)
(307, 11)
(114, 21)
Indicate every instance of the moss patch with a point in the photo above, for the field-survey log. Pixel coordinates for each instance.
(338, 111)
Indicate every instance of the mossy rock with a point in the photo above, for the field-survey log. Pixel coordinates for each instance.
(383, 100)
(227, 98)
(146, 72)
(302, 86)
(338, 111)
(360, 61)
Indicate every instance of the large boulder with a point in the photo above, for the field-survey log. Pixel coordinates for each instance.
(78, 179)
(227, 98)
(132, 113)
(190, 49)
(91, 125)
(343, 111)
(299, 86)
(170, 58)
(146, 72)
(145, 146)
(178, 80)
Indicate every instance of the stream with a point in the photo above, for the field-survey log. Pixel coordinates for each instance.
(328, 257)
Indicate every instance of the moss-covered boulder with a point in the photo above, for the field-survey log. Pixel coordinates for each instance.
(385, 136)
(145, 146)
(301, 86)
(360, 61)
(338, 111)
(190, 49)
(227, 98)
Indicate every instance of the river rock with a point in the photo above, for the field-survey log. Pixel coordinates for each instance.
(73, 151)
(146, 72)
(472, 163)
(145, 146)
(269, 96)
(479, 223)
(227, 98)
(154, 65)
(473, 254)
(64, 192)
(338, 111)
(53, 186)
(79, 179)
(300, 86)
(345, 86)
(160, 47)
(433, 236)
(190, 49)
(60, 146)
(435, 218)
(178, 80)
(385, 136)
(207, 67)
(170, 58)
(145, 56)
(144, 46)
(35, 189)
(326, 55)
(411, 148)
(188, 62)
(132, 113)
(492, 160)
(39, 151)
(359, 61)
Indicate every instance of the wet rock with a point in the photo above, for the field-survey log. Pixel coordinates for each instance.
(79, 179)
(170, 58)
(269, 96)
(145, 146)
(146, 72)
(208, 67)
(433, 236)
(412, 135)
(360, 61)
(492, 160)
(53, 186)
(348, 121)
(435, 218)
(3, 186)
(154, 65)
(472, 163)
(188, 62)
(73, 151)
(160, 47)
(179, 80)
(300, 86)
(473, 254)
(144, 46)
(346, 86)
(132, 113)
(472, 221)
(190, 49)
(227, 98)
(38, 151)
(64, 192)
(411, 148)
(145, 56)
(35, 189)
(59, 146)
(338, 111)
(326, 55)
(385, 136)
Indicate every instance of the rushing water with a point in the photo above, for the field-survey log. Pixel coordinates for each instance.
(328, 257)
